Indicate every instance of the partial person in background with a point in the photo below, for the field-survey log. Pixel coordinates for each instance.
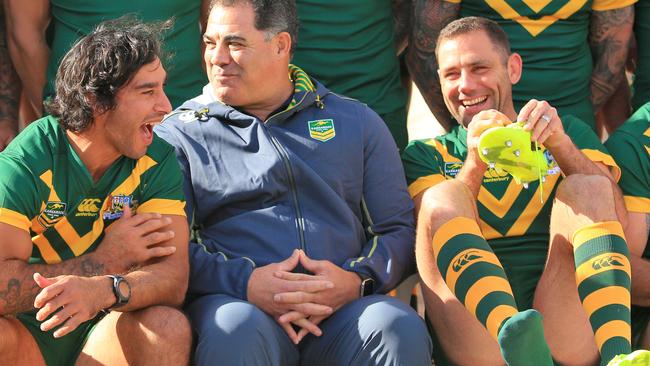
(630, 147)
(352, 47)
(641, 84)
(573, 51)
(36, 58)
(9, 90)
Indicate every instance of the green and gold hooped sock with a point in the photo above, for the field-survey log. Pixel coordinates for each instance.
(603, 277)
(474, 274)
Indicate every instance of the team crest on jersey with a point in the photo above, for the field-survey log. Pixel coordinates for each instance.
(52, 213)
(116, 204)
(322, 129)
(452, 168)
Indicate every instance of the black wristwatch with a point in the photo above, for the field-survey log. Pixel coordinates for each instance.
(367, 286)
(121, 289)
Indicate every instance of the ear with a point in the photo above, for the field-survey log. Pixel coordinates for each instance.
(282, 43)
(515, 67)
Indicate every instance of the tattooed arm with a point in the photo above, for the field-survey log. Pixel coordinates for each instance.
(429, 17)
(636, 233)
(150, 247)
(402, 20)
(609, 38)
(26, 26)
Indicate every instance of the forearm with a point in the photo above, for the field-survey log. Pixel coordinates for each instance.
(17, 286)
(471, 174)
(610, 36)
(9, 83)
(162, 283)
(429, 17)
(572, 161)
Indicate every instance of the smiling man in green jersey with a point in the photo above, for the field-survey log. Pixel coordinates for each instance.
(484, 249)
(630, 147)
(91, 216)
(573, 50)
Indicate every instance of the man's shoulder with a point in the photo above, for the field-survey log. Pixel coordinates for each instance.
(36, 145)
(159, 149)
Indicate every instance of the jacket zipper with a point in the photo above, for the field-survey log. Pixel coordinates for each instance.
(300, 222)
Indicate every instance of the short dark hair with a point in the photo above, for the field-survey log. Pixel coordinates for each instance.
(99, 65)
(271, 16)
(473, 24)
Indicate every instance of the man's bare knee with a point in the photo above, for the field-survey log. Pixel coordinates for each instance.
(445, 201)
(164, 322)
(585, 199)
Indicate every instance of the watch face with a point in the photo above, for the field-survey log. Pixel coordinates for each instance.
(125, 289)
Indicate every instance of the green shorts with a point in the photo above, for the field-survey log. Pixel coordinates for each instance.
(59, 351)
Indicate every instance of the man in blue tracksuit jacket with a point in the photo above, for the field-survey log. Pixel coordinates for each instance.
(300, 207)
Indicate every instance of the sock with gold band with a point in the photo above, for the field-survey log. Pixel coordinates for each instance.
(603, 278)
(474, 274)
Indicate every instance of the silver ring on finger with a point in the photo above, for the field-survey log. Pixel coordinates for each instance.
(546, 118)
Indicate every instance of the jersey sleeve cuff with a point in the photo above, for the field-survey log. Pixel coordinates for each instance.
(637, 204)
(14, 219)
(163, 207)
(604, 5)
(422, 183)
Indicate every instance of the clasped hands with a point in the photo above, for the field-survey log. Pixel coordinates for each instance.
(299, 299)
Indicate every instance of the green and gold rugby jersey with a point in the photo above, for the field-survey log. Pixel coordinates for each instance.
(45, 189)
(514, 220)
(551, 37)
(630, 147)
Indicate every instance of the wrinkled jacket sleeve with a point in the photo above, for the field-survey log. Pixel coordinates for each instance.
(210, 273)
(387, 209)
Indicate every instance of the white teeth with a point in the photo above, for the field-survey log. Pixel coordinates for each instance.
(474, 101)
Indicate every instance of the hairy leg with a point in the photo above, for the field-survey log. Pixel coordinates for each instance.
(463, 338)
(157, 335)
(567, 326)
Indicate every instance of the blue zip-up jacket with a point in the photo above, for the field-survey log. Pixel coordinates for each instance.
(257, 190)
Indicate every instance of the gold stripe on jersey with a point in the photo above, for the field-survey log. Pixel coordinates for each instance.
(598, 156)
(534, 206)
(603, 297)
(604, 261)
(637, 204)
(50, 256)
(488, 231)
(442, 149)
(500, 207)
(601, 5)
(13, 218)
(163, 207)
(47, 179)
(421, 184)
(483, 256)
(536, 26)
(483, 287)
(133, 181)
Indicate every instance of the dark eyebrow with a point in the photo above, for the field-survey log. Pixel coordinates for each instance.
(232, 37)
